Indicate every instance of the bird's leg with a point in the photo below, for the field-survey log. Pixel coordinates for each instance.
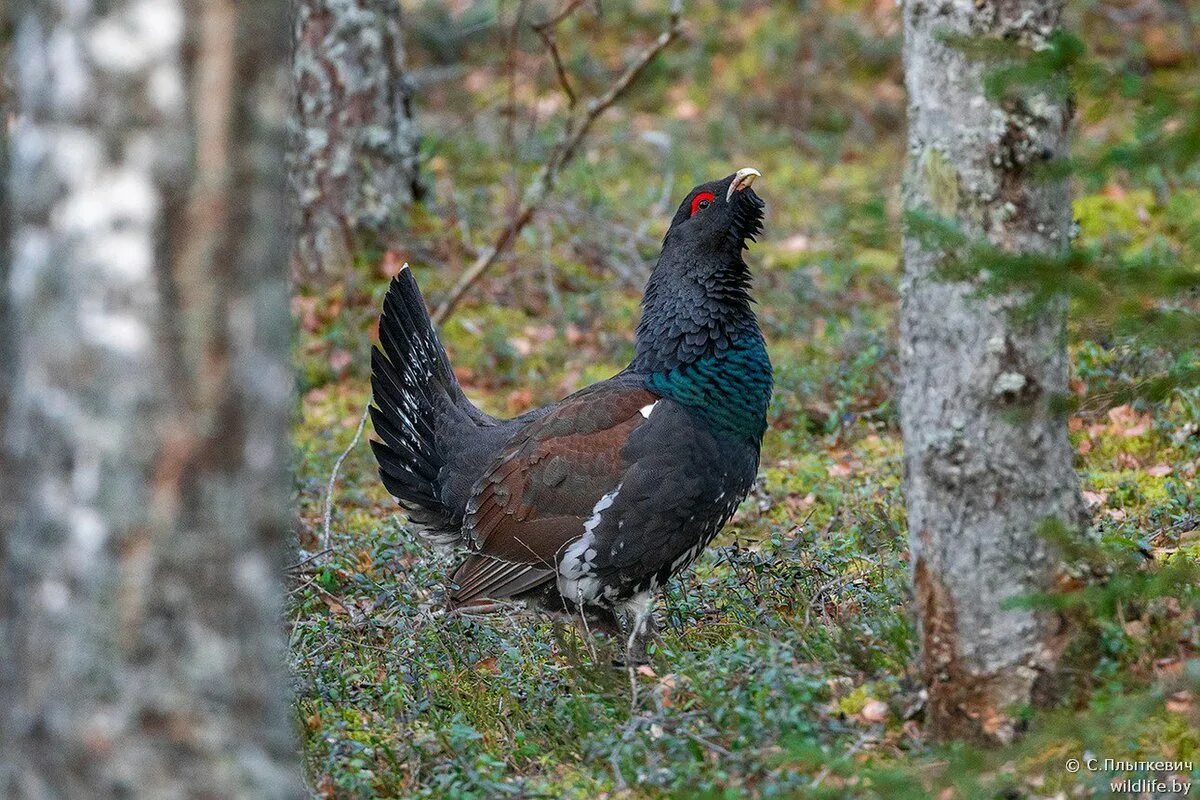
(595, 619)
(642, 636)
(591, 620)
(641, 627)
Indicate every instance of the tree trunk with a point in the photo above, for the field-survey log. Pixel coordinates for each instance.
(144, 443)
(354, 143)
(987, 459)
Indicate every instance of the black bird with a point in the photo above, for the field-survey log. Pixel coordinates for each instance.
(590, 505)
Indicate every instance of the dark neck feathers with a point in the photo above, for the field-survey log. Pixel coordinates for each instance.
(693, 308)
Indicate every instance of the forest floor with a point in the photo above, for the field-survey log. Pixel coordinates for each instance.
(785, 662)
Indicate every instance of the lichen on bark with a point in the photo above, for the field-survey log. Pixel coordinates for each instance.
(353, 138)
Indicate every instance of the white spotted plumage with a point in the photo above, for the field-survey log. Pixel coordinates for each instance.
(576, 580)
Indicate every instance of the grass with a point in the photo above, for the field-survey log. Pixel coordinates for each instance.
(784, 667)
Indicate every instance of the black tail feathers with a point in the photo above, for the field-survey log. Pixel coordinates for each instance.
(416, 398)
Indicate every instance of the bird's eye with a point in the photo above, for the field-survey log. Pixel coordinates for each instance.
(702, 201)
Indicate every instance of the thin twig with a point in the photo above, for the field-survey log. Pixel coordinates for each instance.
(824, 773)
(560, 16)
(544, 182)
(337, 465)
(559, 69)
(300, 564)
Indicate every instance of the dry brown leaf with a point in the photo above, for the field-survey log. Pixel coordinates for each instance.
(391, 264)
(1180, 702)
(797, 243)
(874, 711)
(518, 401)
(340, 360)
(1125, 421)
(333, 603)
(1127, 461)
(840, 469)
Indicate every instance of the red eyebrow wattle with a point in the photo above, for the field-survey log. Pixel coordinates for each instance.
(698, 199)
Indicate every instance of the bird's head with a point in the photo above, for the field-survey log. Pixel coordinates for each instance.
(697, 299)
(718, 217)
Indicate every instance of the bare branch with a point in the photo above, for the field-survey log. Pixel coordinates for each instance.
(562, 15)
(559, 69)
(544, 181)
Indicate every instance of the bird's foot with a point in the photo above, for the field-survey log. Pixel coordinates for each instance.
(642, 629)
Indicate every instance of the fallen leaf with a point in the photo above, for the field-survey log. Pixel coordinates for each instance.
(1180, 702)
(798, 243)
(333, 604)
(839, 470)
(1160, 470)
(340, 360)
(647, 671)
(519, 400)
(666, 688)
(1114, 191)
(1127, 461)
(686, 110)
(874, 711)
(796, 503)
(1095, 499)
(1168, 666)
(391, 264)
(1127, 422)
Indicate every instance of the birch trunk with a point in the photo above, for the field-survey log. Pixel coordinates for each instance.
(144, 443)
(987, 459)
(354, 142)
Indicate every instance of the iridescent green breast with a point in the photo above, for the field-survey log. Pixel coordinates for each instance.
(729, 391)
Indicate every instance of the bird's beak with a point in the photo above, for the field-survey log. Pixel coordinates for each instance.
(742, 180)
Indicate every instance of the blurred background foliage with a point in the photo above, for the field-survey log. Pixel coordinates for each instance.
(784, 666)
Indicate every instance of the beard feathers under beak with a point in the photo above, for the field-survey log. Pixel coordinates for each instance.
(741, 180)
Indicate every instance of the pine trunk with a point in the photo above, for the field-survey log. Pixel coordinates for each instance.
(354, 142)
(987, 459)
(148, 390)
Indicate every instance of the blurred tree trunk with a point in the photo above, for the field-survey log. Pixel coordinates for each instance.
(354, 143)
(144, 442)
(987, 459)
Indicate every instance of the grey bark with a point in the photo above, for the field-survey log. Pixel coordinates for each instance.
(353, 140)
(987, 459)
(145, 440)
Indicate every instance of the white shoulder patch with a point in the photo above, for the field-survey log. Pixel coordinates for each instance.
(648, 410)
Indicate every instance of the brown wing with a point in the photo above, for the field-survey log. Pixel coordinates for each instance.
(536, 498)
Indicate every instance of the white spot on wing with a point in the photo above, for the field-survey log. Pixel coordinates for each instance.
(575, 581)
(648, 410)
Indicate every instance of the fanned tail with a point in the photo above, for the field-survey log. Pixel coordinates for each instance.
(419, 409)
